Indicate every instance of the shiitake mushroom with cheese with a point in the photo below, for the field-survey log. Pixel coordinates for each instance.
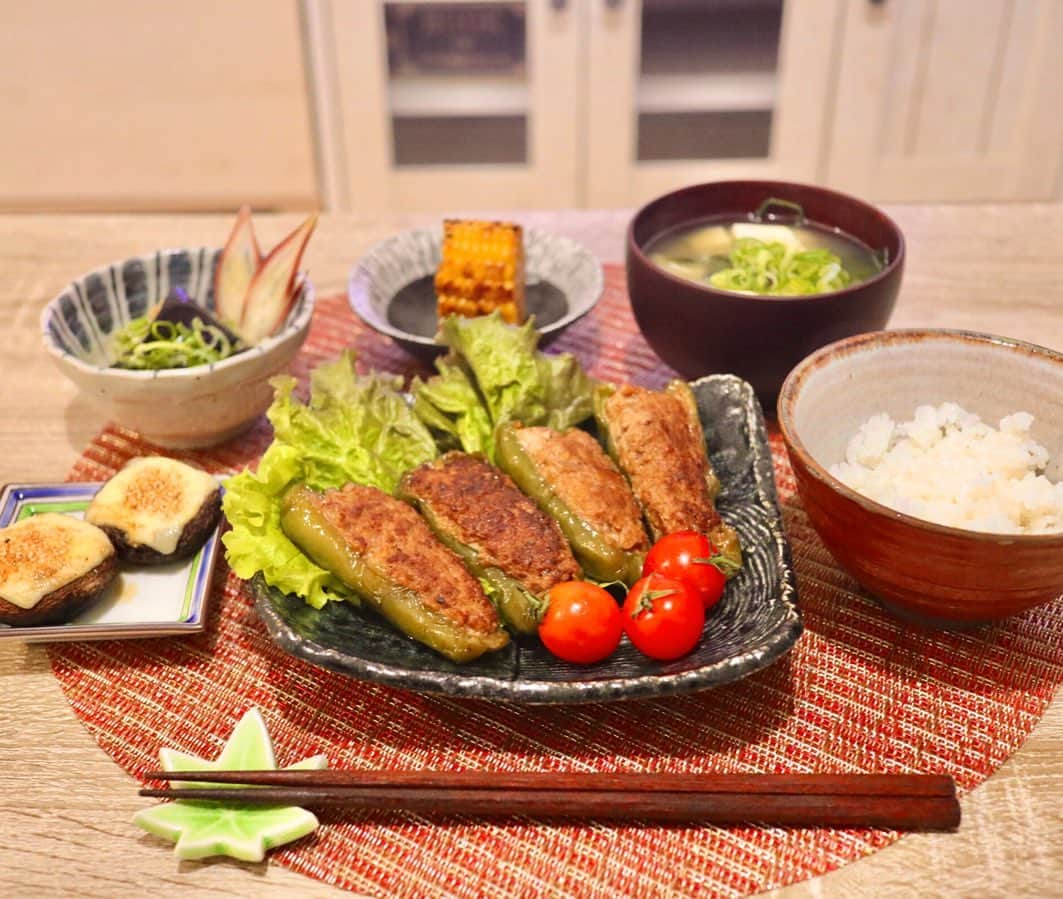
(157, 510)
(52, 568)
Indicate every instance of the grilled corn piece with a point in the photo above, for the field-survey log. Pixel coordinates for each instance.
(481, 270)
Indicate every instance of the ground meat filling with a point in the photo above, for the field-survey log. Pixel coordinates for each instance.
(395, 541)
(664, 457)
(482, 508)
(585, 479)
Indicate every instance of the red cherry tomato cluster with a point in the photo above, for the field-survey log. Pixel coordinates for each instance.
(689, 557)
(663, 614)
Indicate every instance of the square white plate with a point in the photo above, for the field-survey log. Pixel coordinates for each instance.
(143, 601)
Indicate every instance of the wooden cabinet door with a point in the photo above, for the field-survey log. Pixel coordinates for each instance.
(395, 137)
(124, 105)
(742, 68)
(949, 100)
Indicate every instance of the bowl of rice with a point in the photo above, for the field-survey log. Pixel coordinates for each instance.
(930, 462)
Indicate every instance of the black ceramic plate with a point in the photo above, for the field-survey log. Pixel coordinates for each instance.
(755, 623)
(392, 289)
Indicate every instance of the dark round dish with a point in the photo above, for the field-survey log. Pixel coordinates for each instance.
(699, 330)
(391, 289)
(755, 623)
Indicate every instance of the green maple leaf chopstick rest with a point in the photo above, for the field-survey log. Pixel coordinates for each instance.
(245, 832)
(203, 829)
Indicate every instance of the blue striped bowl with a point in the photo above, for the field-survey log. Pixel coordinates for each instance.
(177, 408)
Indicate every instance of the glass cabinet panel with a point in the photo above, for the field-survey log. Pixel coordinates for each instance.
(707, 84)
(457, 86)
(685, 91)
(443, 104)
(448, 104)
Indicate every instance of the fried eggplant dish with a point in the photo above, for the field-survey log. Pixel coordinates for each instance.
(656, 438)
(383, 550)
(572, 479)
(502, 535)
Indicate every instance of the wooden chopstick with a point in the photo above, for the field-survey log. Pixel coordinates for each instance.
(903, 802)
(835, 784)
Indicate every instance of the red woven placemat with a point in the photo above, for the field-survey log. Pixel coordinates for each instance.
(859, 692)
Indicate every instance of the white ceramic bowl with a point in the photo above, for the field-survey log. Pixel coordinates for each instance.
(175, 408)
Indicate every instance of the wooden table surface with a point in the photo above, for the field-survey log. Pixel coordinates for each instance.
(66, 808)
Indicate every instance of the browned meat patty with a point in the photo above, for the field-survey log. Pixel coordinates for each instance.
(481, 507)
(395, 541)
(662, 451)
(586, 480)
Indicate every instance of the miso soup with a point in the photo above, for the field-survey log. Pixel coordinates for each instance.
(770, 259)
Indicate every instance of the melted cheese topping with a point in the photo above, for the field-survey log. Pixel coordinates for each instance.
(41, 554)
(152, 500)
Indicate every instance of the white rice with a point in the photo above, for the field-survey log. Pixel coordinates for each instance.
(947, 466)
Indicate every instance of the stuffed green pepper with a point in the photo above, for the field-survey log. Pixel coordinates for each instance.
(503, 537)
(577, 484)
(381, 549)
(656, 438)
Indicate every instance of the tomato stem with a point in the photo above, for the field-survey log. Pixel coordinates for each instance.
(648, 597)
(721, 563)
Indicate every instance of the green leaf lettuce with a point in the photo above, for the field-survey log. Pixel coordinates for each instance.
(495, 374)
(449, 404)
(352, 430)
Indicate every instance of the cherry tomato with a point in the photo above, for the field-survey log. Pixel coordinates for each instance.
(581, 623)
(663, 617)
(689, 557)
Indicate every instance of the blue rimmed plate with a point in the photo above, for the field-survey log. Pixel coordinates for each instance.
(157, 601)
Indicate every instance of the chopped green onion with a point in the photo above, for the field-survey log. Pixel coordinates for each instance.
(148, 344)
(775, 269)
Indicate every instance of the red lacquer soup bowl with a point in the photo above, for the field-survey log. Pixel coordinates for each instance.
(699, 329)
